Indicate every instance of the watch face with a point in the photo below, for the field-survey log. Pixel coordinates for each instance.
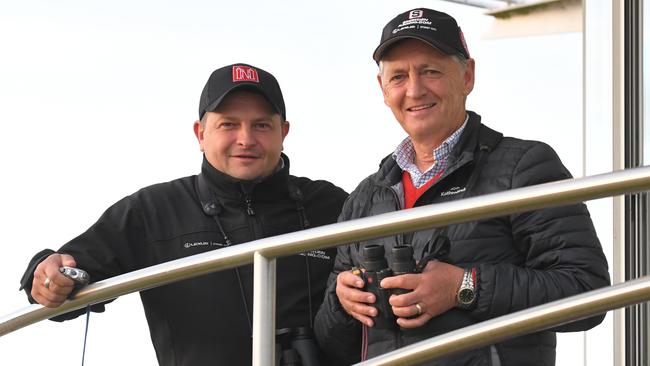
(466, 296)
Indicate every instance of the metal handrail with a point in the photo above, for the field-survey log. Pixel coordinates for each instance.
(527, 321)
(442, 214)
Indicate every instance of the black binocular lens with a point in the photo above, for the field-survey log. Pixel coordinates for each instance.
(373, 257)
(403, 261)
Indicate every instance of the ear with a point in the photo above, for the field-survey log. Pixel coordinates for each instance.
(285, 129)
(198, 132)
(468, 76)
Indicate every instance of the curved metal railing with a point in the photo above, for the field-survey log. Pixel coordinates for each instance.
(522, 322)
(262, 252)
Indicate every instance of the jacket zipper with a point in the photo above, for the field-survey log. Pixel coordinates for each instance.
(253, 220)
(398, 207)
(249, 205)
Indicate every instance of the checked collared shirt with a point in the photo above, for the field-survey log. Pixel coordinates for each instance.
(404, 155)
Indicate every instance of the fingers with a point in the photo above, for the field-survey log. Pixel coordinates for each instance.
(405, 281)
(414, 322)
(411, 315)
(353, 300)
(433, 292)
(349, 279)
(50, 288)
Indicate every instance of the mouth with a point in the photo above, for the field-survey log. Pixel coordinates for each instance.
(421, 107)
(244, 156)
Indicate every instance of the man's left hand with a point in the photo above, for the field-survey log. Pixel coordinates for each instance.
(433, 293)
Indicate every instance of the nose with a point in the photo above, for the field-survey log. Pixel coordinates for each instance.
(246, 136)
(414, 87)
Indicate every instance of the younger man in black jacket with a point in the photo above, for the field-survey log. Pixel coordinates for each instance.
(244, 192)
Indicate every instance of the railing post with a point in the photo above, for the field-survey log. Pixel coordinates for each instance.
(264, 310)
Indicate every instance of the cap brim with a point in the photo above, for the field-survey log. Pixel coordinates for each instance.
(381, 49)
(244, 86)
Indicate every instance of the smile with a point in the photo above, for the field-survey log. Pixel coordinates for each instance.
(420, 107)
(244, 156)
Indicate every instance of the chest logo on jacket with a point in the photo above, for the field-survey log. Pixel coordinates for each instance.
(209, 243)
(320, 254)
(453, 191)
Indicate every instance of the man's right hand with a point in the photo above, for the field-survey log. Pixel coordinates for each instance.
(353, 299)
(50, 288)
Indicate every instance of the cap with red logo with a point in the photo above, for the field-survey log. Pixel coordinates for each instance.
(240, 76)
(436, 28)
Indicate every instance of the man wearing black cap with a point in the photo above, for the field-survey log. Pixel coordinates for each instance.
(244, 192)
(468, 272)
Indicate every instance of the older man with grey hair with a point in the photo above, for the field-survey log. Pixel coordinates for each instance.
(467, 272)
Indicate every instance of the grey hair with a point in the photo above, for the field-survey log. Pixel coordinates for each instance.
(462, 61)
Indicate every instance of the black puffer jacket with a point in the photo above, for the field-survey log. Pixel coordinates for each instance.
(522, 260)
(204, 321)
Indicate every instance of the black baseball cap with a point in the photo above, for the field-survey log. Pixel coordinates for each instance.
(435, 28)
(240, 76)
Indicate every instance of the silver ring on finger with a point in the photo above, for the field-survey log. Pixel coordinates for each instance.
(47, 283)
(419, 308)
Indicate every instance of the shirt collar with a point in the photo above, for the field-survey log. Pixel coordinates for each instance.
(404, 155)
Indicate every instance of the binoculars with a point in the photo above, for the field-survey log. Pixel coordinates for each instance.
(296, 347)
(376, 267)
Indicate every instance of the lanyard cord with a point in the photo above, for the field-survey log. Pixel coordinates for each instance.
(296, 195)
(83, 352)
(311, 315)
(215, 216)
(213, 208)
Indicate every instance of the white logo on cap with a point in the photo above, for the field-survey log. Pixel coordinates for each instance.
(244, 73)
(416, 21)
(416, 14)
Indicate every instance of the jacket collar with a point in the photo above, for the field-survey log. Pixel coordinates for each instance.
(214, 184)
(390, 173)
(464, 150)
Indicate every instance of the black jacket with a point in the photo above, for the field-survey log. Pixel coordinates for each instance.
(522, 260)
(205, 320)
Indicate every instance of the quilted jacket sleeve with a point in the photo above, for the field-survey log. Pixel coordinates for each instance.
(563, 256)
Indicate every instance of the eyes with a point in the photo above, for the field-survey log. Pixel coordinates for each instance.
(398, 77)
(257, 125)
(263, 126)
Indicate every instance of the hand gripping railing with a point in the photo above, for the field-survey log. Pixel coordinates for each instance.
(264, 251)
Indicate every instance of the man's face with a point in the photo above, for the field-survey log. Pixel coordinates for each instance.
(425, 89)
(243, 136)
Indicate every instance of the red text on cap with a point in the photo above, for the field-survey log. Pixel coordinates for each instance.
(244, 73)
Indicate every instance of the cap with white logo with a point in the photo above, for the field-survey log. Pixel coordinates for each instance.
(435, 28)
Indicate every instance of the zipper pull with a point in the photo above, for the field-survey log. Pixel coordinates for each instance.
(249, 206)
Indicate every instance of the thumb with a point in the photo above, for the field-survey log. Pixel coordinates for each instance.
(68, 260)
